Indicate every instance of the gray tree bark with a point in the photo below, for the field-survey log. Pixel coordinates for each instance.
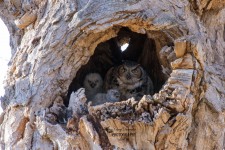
(51, 40)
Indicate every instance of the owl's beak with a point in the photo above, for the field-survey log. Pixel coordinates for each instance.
(117, 95)
(128, 76)
(92, 85)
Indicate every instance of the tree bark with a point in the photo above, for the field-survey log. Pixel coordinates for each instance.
(50, 42)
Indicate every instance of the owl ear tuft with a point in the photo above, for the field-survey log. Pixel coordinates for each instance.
(138, 65)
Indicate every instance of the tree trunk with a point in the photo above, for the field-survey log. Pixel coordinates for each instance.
(52, 40)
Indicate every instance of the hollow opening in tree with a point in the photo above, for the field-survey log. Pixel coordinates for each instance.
(127, 45)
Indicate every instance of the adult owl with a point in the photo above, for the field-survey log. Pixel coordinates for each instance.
(130, 79)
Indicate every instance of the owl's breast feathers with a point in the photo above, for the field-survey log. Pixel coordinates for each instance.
(110, 79)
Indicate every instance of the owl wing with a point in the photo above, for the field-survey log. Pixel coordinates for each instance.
(150, 87)
(110, 81)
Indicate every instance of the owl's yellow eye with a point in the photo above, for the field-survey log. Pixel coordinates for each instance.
(136, 70)
(122, 69)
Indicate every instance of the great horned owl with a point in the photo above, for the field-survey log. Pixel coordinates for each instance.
(93, 83)
(130, 79)
(112, 95)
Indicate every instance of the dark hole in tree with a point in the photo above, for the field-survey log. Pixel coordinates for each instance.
(141, 49)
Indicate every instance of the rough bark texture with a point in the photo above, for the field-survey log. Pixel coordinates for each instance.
(51, 40)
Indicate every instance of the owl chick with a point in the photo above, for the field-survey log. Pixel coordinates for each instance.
(130, 79)
(93, 83)
(112, 95)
